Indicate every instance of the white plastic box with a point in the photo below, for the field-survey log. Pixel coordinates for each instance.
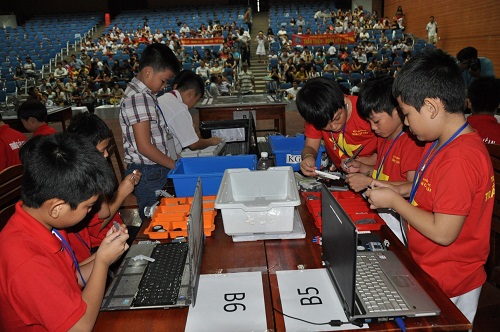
(258, 201)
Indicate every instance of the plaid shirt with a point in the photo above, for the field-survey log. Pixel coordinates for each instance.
(139, 104)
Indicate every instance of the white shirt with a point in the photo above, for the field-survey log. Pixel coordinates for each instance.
(179, 120)
(431, 28)
(203, 72)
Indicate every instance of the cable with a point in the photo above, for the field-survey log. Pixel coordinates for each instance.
(401, 323)
(403, 231)
(335, 322)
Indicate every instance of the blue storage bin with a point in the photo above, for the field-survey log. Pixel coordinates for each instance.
(210, 169)
(287, 150)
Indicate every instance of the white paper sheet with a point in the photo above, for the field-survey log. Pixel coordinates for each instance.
(229, 302)
(309, 295)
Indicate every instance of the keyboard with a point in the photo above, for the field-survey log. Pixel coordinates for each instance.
(161, 281)
(234, 149)
(374, 289)
(213, 150)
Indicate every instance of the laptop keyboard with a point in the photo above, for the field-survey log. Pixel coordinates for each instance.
(374, 289)
(161, 281)
(234, 149)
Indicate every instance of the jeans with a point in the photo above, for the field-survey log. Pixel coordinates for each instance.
(154, 177)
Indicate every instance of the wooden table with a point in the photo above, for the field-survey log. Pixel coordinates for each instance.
(263, 111)
(222, 255)
(55, 114)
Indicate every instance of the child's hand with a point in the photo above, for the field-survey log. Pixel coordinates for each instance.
(380, 198)
(375, 184)
(308, 166)
(128, 184)
(215, 140)
(113, 245)
(358, 182)
(353, 166)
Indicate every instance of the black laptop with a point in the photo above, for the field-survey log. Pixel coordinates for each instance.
(371, 285)
(239, 135)
(170, 280)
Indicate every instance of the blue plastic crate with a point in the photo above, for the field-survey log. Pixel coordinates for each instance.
(287, 150)
(210, 169)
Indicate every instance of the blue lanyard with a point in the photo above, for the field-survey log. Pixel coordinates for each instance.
(343, 145)
(68, 249)
(83, 241)
(381, 164)
(428, 159)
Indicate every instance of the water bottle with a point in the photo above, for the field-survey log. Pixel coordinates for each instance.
(264, 162)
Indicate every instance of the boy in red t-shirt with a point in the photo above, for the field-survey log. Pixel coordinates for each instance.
(452, 196)
(398, 152)
(483, 99)
(10, 142)
(33, 116)
(43, 287)
(330, 115)
(86, 236)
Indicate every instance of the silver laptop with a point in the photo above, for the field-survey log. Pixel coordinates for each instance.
(390, 292)
(168, 282)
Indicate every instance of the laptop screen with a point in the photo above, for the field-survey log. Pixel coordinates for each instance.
(339, 243)
(229, 130)
(195, 240)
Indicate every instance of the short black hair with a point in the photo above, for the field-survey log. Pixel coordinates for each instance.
(484, 95)
(89, 126)
(187, 80)
(64, 166)
(431, 74)
(318, 101)
(375, 95)
(467, 53)
(32, 108)
(159, 57)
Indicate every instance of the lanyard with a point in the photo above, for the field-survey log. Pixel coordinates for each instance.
(337, 144)
(83, 241)
(429, 158)
(171, 152)
(381, 163)
(70, 252)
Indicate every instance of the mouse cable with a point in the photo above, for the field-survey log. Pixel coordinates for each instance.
(336, 322)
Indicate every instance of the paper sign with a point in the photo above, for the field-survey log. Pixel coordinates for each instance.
(228, 302)
(309, 295)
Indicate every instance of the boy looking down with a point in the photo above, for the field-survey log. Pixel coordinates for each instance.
(42, 286)
(448, 213)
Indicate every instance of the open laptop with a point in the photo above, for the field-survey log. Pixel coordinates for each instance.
(239, 135)
(402, 295)
(168, 282)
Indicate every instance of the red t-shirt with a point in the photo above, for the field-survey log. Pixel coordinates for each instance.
(403, 156)
(357, 132)
(44, 130)
(10, 142)
(83, 238)
(459, 181)
(487, 126)
(38, 288)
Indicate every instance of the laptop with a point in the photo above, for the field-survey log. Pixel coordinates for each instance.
(171, 280)
(239, 135)
(401, 295)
